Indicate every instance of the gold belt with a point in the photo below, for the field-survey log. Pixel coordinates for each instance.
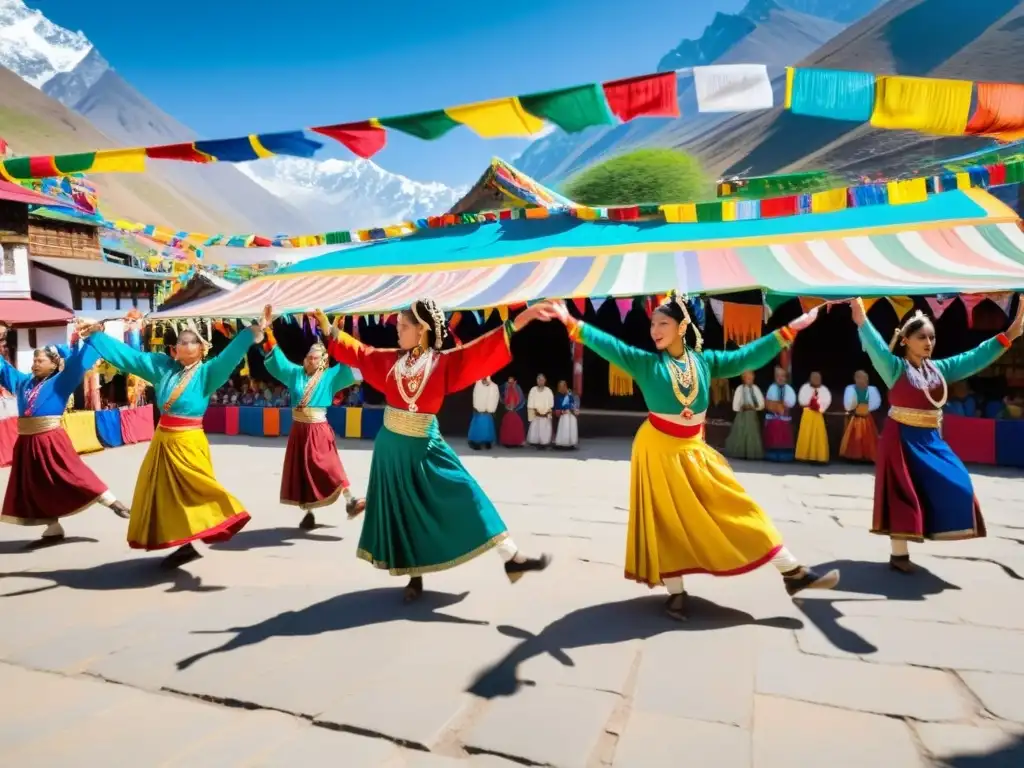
(37, 425)
(916, 417)
(309, 415)
(407, 423)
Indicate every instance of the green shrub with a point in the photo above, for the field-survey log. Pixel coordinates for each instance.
(639, 177)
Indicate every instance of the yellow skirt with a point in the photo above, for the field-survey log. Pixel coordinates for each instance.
(812, 441)
(177, 499)
(688, 513)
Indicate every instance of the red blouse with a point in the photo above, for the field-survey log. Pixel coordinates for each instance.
(454, 369)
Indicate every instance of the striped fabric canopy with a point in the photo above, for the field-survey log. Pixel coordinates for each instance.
(956, 242)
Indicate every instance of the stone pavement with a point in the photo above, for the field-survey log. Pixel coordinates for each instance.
(280, 648)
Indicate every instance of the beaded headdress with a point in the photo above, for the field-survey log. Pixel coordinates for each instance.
(190, 325)
(436, 316)
(674, 297)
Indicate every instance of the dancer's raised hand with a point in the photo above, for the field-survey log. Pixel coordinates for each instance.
(324, 322)
(267, 318)
(1017, 326)
(804, 320)
(539, 311)
(860, 315)
(552, 310)
(84, 326)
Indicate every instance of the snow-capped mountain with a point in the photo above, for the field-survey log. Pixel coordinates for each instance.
(350, 194)
(34, 47)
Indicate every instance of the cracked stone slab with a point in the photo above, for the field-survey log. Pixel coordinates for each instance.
(1002, 695)
(662, 741)
(922, 694)
(947, 741)
(795, 734)
(549, 725)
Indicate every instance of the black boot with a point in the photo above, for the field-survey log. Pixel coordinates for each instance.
(676, 607)
(121, 510)
(413, 590)
(902, 564)
(181, 556)
(308, 522)
(802, 578)
(515, 570)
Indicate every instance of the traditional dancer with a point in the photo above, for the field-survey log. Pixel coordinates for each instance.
(485, 403)
(744, 441)
(539, 405)
(860, 400)
(177, 499)
(567, 409)
(922, 490)
(780, 399)
(48, 479)
(424, 512)
(687, 512)
(313, 475)
(812, 439)
(513, 433)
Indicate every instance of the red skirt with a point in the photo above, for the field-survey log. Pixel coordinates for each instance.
(312, 475)
(48, 480)
(513, 433)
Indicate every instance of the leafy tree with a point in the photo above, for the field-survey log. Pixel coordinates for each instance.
(639, 177)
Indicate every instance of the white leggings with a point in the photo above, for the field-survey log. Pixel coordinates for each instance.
(783, 561)
(900, 547)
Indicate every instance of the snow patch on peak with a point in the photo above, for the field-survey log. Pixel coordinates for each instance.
(33, 47)
(350, 194)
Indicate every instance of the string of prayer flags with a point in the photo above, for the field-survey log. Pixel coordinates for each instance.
(830, 93)
(1000, 112)
(926, 105)
(733, 88)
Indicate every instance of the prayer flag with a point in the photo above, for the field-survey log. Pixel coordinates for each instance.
(364, 139)
(774, 207)
(77, 163)
(1000, 112)
(709, 212)
(184, 152)
(909, 191)
(733, 88)
(422, 125)
(119, 161)
(826, 202)
(624, 306)
(647, 96)
(497, 118)
(587, 214)
(902, 304)
(679, 213)
(571, 109)
(928, 105)
(290, 143)
(830, 93)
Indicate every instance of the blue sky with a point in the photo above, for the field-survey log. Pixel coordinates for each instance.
(223, 68)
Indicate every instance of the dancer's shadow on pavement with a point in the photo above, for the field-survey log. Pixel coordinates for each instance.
(22, 546)
(336, 614)
(1010, 756)
(267, 538)
(638, 618)
(137, 573)
(865, 578)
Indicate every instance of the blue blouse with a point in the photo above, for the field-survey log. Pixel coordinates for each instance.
(52, 396)
(164, 372)
(294, 377)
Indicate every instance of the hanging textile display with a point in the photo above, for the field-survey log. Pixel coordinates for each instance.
(830, 93)
(619, 382)
(1000, 112)
(741, 323)
(903, 305)
(927, 105)
(733, 88)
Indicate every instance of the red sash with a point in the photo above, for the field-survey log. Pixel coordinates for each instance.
(674, 428)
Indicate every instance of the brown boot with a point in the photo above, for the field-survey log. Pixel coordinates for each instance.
(413, 590)
(515, 570)
(121, 510)
(676, 607)
(308, 522)
(181, 556)
(802, 578)
(902, 564)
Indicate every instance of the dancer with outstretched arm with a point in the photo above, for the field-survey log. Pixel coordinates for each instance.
(48, 480)
(424, 512)
(313, 475)
(687, 513)
(922, 489)
(177, 498)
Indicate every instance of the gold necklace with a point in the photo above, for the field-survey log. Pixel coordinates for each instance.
(684, 378)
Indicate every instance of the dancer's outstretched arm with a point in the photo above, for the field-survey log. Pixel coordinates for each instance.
(149, 366)
(726, 364)
(888, 365)
(967, 364)
(218, 369)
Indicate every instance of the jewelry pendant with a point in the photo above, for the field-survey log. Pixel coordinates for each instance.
(414, 385)
(687, 413)
(413, 408)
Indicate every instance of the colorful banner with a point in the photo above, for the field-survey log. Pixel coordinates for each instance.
(927, 105)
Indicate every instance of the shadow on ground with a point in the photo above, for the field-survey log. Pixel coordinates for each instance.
(866, 578)
(265, 538)
(21, 546)
(637, 618)
(336, 614)
(1010, 756)
(139, 573)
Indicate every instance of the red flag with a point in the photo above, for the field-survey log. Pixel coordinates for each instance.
(646, 96)
(363, 139)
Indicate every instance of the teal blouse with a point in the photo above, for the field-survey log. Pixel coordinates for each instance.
(333, 380)
(890, 367)
(652, 374)
(162, 370)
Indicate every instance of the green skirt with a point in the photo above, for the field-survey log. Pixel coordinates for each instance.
(424, 512)
(744, 441)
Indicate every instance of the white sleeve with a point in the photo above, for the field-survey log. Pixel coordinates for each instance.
(874, 399)
(758, 398)
(806, 392)
(531, 399)
(478, 396)
(824, 399)
(850, 397)
(788, 397)
(737, 399)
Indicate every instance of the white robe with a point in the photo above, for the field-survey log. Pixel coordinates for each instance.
(539, 405)
(807, 392)
(485, 397)
(568, 434)
(747, 396)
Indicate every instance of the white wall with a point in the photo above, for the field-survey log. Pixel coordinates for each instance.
(52, 286)
(16, 286)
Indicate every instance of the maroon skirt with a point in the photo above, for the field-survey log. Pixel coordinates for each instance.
(512, 433)
(312, 475)
(48, 480)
